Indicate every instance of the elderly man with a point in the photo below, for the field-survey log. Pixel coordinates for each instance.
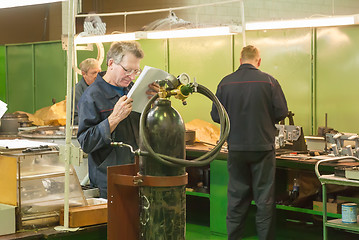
(105, 113)
(90, 67)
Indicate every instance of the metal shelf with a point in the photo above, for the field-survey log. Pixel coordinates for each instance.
(332, 179)
(307, 211)
(337, 223)
(278, 206)
(198, 194)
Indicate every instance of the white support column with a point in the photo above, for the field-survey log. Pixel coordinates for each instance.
(70, 18)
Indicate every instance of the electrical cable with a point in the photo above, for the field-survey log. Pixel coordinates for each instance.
(200, 161)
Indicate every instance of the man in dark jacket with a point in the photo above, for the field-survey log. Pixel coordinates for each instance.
(89, 67)
(105, 113)
(255, 102)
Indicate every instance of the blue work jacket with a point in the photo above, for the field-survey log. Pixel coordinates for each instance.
(94, 136)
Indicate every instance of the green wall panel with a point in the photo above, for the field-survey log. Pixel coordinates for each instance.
(20, 85)
(218, 200)
(338, 77)
(286, 56)
(36, 73)
(50, 74)
(208, 59)
(155, 53)
(2, 74)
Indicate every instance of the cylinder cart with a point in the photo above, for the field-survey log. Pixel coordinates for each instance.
(332, 179)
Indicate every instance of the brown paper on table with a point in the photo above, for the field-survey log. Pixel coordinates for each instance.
(35, 120)
(54, 115)
(205, 132)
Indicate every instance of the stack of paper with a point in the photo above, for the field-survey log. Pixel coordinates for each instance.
(138, 90)
(12, 144)
(3, 108)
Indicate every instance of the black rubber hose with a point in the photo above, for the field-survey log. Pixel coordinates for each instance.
(202, 160)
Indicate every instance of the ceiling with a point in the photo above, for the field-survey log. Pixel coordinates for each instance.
(43, 22)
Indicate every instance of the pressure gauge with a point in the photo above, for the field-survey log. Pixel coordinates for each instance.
(184, 78)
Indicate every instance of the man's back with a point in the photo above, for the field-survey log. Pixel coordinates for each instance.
(255, 102)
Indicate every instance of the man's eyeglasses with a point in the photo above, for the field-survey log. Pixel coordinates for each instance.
(130, 72)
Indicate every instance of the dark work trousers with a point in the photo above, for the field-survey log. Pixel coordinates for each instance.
(251, 176)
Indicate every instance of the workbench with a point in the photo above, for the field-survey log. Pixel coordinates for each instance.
(217, 195)
(289, 164)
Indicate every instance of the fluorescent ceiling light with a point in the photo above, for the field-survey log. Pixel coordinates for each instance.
(106, 38)
(195, 32)
(19, 3)
(224, 30)
(303, 23)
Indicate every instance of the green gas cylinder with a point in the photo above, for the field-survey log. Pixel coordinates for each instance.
(162, 209)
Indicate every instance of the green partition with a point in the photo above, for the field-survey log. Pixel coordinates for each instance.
(156, 54)
(50, 74)
(286, 55)
(20, 78)
(208, 59)
(36, 74)
(218, 197)
(2, 73)
(337, 77)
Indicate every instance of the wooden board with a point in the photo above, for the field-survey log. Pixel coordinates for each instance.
(86, 215)
(8, 181)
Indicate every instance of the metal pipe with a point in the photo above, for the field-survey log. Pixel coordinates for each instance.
(324, 199)
(41, 176)
(125, 23)
(48, 215)
(325, 133)
(71, 30)
(316, 168)
(243, 24)
(156, 10)
(313, 80)
(19, 192)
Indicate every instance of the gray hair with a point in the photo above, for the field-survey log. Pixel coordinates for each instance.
(88, 63)
(119, 49)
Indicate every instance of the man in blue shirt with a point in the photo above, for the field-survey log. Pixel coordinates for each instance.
(105, 113)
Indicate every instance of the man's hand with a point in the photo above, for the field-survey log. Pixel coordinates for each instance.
(153, 89)
(121, 110)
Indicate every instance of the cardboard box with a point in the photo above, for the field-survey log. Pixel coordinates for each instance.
(86, 215)
(331, 207)
(7, 219)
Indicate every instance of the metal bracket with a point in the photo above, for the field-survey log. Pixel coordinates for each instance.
(64, 41)
(76, 154)
(137, 180)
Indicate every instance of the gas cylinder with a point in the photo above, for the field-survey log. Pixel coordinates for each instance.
(160, 175)
(162, 209)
